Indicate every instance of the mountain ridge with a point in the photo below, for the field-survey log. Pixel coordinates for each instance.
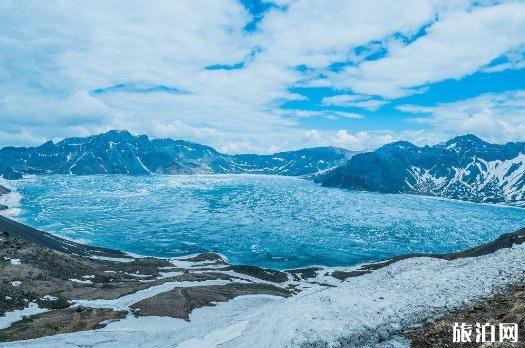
(120, 152)
(465, 167)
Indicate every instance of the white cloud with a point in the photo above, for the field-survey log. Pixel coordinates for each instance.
(328, 114)
(354, 100)
(54, 54)
(495, 117)
(317, 33)
(514, 59)
(369, 140)
(455, 46)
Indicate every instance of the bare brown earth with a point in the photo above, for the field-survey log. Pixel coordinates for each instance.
(43, 271)
(60, 321)
(178, 303)
(507, 307)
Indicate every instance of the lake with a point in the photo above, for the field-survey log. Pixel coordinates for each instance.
(268, 221)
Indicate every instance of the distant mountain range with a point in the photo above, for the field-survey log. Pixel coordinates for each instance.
(465, 168)
(120, 152)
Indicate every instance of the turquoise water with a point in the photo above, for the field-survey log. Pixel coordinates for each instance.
(268, 221)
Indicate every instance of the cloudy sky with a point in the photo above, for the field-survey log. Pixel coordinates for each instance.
(261, 75)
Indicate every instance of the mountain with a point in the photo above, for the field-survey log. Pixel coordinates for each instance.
(120, 152)
(293, 163)
(465, 168)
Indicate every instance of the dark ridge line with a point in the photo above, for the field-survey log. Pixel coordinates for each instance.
(506, 240)
(45, 239)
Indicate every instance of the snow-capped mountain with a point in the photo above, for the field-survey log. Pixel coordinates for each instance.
(119, 152)
(465, 168)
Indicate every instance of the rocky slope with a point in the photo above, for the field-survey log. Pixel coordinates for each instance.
(506, 307)
(465, 168)
(119, 152)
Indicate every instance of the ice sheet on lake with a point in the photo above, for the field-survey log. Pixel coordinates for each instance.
(266, 221)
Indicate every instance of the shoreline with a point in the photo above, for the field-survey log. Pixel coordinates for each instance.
(203, 276)
(60, 243)
(74, 276)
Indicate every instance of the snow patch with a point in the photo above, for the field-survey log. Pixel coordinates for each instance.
(11, 200)
(113, 259)
(214, 338)
(49, 298)
(80, 281)
(361, 311)
(124, 302)
(11, 317)
(12, 261)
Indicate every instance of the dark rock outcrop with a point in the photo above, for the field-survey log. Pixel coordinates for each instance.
(10, 174)
(4, 190)
(59, 322)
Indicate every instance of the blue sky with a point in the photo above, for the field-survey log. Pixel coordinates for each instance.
(262, 76)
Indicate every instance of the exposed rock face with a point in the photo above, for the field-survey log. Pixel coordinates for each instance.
(10, 174)
(119, 152)
(465, 168)
(3, 191)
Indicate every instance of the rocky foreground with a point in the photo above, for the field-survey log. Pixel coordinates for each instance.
(56, 278)
(55, 292)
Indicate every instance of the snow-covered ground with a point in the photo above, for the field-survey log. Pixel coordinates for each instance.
(124, 302)
(360, 312)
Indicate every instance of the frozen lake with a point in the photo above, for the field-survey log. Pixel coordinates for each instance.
(268, 221)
